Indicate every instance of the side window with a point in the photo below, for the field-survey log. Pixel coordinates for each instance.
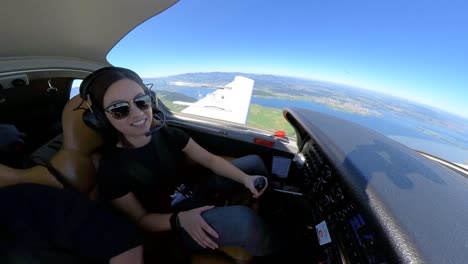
(233, 97)
(203, 95)
(75, 89)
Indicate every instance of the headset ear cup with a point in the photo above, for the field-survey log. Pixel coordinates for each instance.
(95, 120)
(89, 119)
(101, 121)
(154, 101)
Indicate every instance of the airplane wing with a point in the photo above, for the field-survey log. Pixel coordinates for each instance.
(230, 103)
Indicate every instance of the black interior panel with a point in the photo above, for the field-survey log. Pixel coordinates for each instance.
(36, 110)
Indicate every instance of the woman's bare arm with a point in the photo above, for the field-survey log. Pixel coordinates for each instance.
(215, 163)
(152, 222)
(220, 166)
(190, 220)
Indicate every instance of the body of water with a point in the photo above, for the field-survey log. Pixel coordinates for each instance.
(450, 145)
(446, 144)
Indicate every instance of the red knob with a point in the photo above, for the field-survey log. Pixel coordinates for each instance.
(279, 133)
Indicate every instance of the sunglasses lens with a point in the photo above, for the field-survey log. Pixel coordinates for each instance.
(143, 102)
(122, 109)
(119, 111)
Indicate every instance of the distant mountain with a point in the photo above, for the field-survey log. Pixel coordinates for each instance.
(330, 94)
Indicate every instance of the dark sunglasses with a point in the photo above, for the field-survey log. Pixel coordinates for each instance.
(121, 110)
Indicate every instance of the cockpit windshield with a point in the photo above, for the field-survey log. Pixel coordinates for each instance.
(397, 67)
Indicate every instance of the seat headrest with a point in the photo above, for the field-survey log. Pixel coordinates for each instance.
(77, 135)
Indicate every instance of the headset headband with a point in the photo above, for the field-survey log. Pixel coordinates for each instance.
(88, 81)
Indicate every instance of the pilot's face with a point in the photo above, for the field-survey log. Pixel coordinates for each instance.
(127, 108)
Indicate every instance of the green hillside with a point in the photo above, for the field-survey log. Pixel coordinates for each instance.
(269, 119)
(261, 117)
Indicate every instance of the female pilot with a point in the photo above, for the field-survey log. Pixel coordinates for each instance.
(144, 166)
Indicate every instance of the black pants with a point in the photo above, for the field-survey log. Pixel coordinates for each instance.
(236, 225)
(40, 218)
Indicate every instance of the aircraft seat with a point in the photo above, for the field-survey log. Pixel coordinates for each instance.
(73, 161)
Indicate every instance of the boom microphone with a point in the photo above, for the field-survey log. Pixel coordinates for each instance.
(162, 121)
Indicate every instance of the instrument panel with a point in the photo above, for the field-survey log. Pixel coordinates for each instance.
(342, 232)
(371, 199)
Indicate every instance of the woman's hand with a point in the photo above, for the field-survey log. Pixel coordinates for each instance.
(249, 183)
(197, 227)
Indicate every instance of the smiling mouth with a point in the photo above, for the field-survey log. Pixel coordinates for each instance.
(139, 123)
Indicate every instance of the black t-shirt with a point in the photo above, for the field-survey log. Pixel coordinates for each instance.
(151, 172)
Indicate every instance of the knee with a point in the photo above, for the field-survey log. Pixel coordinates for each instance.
(249, 224)
(256, 159)
(251, 231)
(257, 164)
(245, 214)
(134, 256)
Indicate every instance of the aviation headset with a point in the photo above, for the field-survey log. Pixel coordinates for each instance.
(95, 118)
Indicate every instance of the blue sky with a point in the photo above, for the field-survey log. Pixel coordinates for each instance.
(412, 49)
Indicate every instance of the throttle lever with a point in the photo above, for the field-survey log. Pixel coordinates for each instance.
(259, 183)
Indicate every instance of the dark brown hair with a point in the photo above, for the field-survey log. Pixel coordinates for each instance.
(98, 89)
